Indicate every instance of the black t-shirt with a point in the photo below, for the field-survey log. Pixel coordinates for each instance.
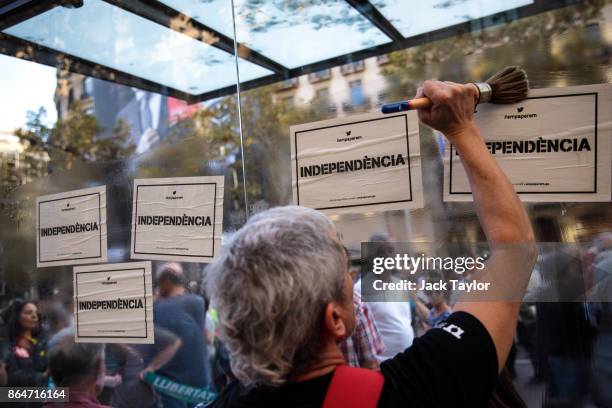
(454, 364)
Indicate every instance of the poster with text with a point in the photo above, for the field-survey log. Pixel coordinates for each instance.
(71, 227)
(178, 219)
(362, 163)
(113, 303)
(554, 147)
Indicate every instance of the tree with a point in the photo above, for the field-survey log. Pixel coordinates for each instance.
(76, 137)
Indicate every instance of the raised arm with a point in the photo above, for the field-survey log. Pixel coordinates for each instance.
(169, 344)
(421, 310)
(501, 214)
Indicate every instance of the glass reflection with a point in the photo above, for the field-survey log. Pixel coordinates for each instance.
(292, 33)
(113, 37)
(414, 18)
(216, 14)
(563, 352)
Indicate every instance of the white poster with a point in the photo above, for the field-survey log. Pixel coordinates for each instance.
(368, 162)
(178, 219)
(71, 227)
(554, 146)
(113, 303)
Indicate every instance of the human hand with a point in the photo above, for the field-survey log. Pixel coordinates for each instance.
(144, 372)
(112, 381)
(453, 107)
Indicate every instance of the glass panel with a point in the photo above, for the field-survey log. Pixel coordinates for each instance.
(44, 83)
(562, 350)
(414, 18)
(94, 132)
(216, 14)
(61, 131)
(111, 36)
(291, 33)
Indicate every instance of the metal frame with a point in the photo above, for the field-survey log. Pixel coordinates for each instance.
(375, 16)
(13, 12)
(161, 14)
(33, 52)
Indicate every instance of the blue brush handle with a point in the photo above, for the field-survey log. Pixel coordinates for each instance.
(395, 107)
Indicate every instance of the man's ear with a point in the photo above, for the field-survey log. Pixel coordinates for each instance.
(333, 321)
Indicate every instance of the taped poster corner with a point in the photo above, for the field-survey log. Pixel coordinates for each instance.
(113, 303)
(554, 147)
(71, 228)
(177, 219)
(362, 163)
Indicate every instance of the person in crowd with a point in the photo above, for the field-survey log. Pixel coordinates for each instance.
(115, 356)
(602, 316)
(285, 298)
(78, 367)
(221, 372)
(4, 344)
(564, 332)
(365, 344)
(26, 363)
(193, 287)
(526, 337)
(57, 313)
(3, 374)
(393, 319)
(602, 267)
(210, 331)
(439, 310)
(181, 313)
(133, 390)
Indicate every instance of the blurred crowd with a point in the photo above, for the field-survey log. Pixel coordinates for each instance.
(568, 343)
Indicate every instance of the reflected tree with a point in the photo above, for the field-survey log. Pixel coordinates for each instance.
(259, 16)
(76, 137)
(208, 143)
(549, 46)
(289, 13)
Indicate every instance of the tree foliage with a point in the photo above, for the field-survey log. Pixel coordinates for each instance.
(76, 137)
(558, 41)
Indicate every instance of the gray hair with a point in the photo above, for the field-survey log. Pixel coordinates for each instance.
(71, 362)
(379, 244)
(270, 285)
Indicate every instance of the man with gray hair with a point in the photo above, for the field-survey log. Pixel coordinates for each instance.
(80, 368)
(284, 298)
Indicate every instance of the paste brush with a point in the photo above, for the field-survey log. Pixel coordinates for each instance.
(510, 85)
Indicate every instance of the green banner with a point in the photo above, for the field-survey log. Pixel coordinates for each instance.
(182, 392)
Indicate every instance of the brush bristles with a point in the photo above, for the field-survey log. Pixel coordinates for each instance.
(510, 85)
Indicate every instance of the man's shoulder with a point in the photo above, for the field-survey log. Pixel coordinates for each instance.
(180, 300)
(193, 298)
(189, 300)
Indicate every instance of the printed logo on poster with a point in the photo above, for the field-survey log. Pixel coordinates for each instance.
(113, 303)
(177, 218)
(367, 162)
(71, 227)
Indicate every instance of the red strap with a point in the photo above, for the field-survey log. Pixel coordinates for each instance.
(354, 387)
